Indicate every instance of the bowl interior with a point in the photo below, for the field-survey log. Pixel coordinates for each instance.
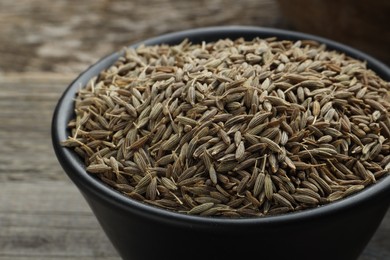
(75, 168)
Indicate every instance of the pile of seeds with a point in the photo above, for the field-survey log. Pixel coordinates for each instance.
(234, 128)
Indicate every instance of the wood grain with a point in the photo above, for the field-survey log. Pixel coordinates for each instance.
(44, 45)
(48, 219)
(65, 36)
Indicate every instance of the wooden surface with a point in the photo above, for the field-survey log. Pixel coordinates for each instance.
(44, 45)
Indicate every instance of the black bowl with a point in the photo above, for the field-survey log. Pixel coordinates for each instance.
(339, 230)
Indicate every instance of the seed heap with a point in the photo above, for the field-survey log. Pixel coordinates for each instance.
(234, 128)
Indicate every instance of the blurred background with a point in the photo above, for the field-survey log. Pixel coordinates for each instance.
(45, 44)
(362, 24)
(65, 36)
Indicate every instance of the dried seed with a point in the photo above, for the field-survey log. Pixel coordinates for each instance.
(151, 190)
(240, 151)
(271, 144)
(171, 142)
(186, 120)
(258, 118)
(268, 187)
(281, 200)
(253, 127)
(305, 199)
(168, 183)
(353, 189)
(98, 168)
(200, 208)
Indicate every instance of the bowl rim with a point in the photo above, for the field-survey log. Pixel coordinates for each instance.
(75, 169)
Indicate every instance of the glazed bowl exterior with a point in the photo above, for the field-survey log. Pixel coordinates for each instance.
(339, 230)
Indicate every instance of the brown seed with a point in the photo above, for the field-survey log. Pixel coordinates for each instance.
(168, 183)
(213, 174)
(353, 189)
(186, 120)
(271, 144)
(258, 118)
(151, 190)
(277, 101)
(185, 125)
(98, 168)
(336, 196)
(139, 143)
(240, 151)
(308, 192)
(282, 201)
(268, 187)
(306, 199)
(200, 208)
(171, 142)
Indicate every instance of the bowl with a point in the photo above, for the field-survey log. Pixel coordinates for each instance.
(338, 230)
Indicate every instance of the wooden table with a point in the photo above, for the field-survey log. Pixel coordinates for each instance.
(44, 45)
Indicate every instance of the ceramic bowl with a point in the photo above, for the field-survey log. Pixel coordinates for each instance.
(339, 230)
